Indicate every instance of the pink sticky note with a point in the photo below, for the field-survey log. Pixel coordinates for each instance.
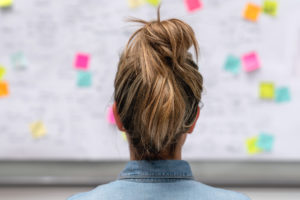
(193, 5)
(82, 61)
(110, 116)
(250, 62)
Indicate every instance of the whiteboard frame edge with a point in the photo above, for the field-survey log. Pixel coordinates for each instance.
(92, 173)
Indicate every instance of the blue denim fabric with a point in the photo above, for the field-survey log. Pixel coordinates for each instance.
(160, 179)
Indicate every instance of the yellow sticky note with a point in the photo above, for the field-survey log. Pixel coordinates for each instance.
(2, 72)
(6, 3)
(270, 7)
(135, 3)
(252, 12)
(37, 129)
(124, 135)
(267, 90)
(4, 91)
(154, 2)
(251, 145)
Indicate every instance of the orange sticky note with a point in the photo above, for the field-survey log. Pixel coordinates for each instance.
(4, 91)
(252, 12)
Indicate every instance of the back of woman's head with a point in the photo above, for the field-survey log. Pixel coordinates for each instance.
(158, 87)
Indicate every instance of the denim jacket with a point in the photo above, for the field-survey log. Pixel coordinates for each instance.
(160, 179)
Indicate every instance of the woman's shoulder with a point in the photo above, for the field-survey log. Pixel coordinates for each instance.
(100, 191)
(189, 189)
(208, 192)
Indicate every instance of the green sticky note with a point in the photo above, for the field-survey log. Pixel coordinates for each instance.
(154, 2)
(251, 145)
(19, 61)
(84, 79)
(267, 90)
(265, 142)
(232, 64)
(282, 94)
(270, 7)
(2, 72)
(6, 3)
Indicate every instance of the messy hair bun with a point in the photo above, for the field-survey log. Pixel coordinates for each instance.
(158, 86)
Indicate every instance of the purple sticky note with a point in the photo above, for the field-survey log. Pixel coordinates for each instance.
(193, 5)
(82, 61)
(250, 62)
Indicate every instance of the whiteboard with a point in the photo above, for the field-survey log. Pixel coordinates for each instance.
(51, 33)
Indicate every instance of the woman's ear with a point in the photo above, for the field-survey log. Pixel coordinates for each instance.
(194, 124)
(117, 118)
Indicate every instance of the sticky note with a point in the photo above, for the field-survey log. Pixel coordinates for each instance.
(110, 116)
(37, 129)
(19, 60)
(270, 7)
(123, 134)
(6, 3)
(250, 62)
(193, 5)
(282, 94)
(4, 90)
(232, 64)
(267, 90)
(2, 72)
(154, 2)
(82, 61)
(135, 3)
(84, 78)
(265, 142)
(251, 145)
(252, 12)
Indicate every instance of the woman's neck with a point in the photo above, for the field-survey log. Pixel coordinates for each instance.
(175, 156)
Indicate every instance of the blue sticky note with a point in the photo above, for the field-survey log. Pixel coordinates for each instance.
(233, 64)
(84, 78)
(282, 94)
(19, 60)
(265, 142)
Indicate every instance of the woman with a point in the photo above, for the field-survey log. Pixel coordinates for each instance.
(157, 92)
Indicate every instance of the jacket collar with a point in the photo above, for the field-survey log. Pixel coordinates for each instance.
(157, 169)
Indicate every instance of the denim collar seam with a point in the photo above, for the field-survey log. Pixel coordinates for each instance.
(153, 177)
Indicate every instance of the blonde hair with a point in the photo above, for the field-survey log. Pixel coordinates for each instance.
(158, 86)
